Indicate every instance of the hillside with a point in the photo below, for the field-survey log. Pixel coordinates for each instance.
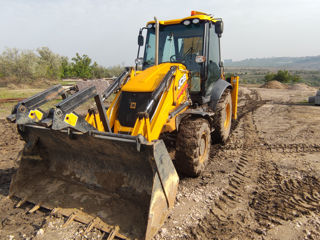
(294, 63)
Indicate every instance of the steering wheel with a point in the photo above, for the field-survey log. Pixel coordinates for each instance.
(173, 58)
(182, 59)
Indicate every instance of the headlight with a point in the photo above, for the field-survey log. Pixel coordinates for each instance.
(196, 20)
(150, 25)
(186, 22)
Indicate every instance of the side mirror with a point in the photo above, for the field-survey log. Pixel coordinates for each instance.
(200, 59)
(139, 61)
(219, 28)
(140, 39)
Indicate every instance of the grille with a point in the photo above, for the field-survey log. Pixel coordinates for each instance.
(130, 104)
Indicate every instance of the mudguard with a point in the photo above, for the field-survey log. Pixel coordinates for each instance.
(218, 88)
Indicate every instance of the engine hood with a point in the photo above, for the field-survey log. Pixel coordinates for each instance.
(149, 79)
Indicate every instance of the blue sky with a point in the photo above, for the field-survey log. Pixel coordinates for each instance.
(106, 30)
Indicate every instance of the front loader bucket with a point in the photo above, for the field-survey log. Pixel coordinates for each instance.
(120, 184)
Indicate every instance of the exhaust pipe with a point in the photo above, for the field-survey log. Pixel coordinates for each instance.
(157, 41)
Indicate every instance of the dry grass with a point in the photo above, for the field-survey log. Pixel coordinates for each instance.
(5, 92)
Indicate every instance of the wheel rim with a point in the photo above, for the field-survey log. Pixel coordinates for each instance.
(203, 147)
(228, 116)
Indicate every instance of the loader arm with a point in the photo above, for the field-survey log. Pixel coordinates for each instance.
(168, 90)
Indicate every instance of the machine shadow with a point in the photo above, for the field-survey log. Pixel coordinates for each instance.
(5, 179)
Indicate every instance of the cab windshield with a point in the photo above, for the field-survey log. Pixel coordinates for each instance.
(177, 43)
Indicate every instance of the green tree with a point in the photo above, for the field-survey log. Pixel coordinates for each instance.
(115, 70)
(269, 77)
(49, 66)
(18, 65)
(99, 71)
(66, 68)
(81, 66)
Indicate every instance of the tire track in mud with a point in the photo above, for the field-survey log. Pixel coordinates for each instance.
(257, 197)
(280, 198)
(228, 216)
(282, 148)
(220, 188)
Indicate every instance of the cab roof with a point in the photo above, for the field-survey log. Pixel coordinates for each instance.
(194, 14)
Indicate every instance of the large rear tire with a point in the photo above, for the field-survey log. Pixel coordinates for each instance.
(222, 118)
(192, 146)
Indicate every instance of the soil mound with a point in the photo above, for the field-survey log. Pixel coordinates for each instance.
(100, 84)
(301, 86)
(274, 85)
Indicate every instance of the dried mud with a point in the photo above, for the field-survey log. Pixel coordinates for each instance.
(264, 183)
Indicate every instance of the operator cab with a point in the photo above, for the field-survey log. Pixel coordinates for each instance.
(193, 41)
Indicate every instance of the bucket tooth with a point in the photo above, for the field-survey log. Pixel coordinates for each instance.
(21, 202)
(54, 211)
(113, 233)
(35, 208)
(70, 219)
(7, 198)
(10, 195)
(91, 225)
(102, 236)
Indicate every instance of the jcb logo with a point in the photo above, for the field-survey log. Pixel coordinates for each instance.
(182, 80)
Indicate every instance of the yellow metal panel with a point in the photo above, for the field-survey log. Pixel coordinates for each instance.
(35, 115)
(177, 21)
(149, 79)
(113, 109)
(119, 128)
(138, 127)
(71, 119)
(148, 129)
(94, 120)
(234, 95)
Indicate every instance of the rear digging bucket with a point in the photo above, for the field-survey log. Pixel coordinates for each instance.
(117, 183)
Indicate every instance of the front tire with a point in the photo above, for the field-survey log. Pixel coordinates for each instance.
(222, 118)
(193, 146)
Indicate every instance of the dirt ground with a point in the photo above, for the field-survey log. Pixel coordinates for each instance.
(263, 184)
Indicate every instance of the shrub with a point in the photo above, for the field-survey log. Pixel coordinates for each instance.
(49, 64)
(282, 76)
(27, 66)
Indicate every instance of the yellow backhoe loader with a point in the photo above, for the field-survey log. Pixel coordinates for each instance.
(110, 169)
